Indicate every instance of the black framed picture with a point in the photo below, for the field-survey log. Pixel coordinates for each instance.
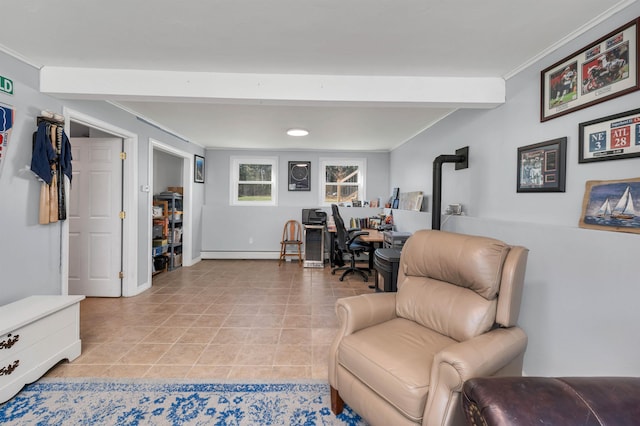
(610, 138)
(299, 175)
(198, 169)
(542, 166)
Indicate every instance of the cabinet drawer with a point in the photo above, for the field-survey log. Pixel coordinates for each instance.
(42, 355)
(30, 334)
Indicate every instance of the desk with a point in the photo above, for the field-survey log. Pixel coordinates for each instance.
(374, 237)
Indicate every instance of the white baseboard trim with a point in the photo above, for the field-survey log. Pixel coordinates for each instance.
(240, 255)
(138, 290)
(192, 262)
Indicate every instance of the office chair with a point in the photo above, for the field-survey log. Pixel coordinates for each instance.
(291, 235)
(348, 242)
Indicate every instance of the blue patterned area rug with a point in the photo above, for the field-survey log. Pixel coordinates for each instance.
(172, 402)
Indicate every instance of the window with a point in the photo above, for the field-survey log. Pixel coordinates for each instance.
(254, 181)
(341, 180)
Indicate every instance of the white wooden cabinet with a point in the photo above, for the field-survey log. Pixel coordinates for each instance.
(35, 334)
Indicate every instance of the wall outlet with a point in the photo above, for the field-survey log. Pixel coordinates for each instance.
(250, 240)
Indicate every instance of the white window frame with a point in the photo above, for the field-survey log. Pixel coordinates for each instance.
(362, 173)
(235, 176)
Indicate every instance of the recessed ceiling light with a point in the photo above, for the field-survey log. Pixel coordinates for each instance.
(297, 132)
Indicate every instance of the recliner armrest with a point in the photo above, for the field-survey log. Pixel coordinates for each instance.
(485, 355)
(358, 312)
(355, 313)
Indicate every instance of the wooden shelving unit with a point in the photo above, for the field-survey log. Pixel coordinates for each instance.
(172, 211)
(160, 233)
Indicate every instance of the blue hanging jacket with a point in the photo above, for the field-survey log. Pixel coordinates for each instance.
(43, 153)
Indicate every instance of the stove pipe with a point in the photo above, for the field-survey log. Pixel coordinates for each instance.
(461, 160)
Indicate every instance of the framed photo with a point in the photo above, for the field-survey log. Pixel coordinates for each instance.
(611, 205)
(604, 70)
(610, 138)
(299, 175)
(542, 166)
(198, 169)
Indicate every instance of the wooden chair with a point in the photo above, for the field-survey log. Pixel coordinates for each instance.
(291, 236)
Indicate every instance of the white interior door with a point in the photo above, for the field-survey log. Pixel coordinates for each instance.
(95, 227)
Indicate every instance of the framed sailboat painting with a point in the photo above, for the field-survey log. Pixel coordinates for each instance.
(612, 205)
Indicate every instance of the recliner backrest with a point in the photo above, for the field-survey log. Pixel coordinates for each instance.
(451, 282)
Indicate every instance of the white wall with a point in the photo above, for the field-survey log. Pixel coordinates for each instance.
(30, 259)
(255, 232)
(582, 286)
(167, 171)
(29, 253)
(581, 290)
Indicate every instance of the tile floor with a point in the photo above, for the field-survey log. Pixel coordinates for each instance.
(224, 319)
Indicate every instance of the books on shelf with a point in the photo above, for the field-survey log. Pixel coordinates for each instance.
(365, 222)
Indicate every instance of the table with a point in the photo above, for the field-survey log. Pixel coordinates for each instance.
(374, 236)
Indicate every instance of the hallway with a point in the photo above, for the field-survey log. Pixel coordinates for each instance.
(218, 319)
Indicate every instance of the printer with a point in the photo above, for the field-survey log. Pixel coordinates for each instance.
(314, 217)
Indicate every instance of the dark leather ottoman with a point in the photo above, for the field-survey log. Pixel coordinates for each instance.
(563, 401)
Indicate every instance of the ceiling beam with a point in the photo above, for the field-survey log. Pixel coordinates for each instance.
(206, 87)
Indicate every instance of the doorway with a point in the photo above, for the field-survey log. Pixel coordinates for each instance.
(180, 160)
(126, 261)
(95, 225)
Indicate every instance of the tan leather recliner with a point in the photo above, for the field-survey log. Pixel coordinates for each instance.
(402, 358)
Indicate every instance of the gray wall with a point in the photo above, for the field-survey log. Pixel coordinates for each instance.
(228, 229)
(30, 261)
(581, 292)
(29, 253)
(167, 171)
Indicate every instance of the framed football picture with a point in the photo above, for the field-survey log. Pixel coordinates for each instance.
(610, 138)
(542, 166)
(603, 70)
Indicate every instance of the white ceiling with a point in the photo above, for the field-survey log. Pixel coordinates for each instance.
(214, 60)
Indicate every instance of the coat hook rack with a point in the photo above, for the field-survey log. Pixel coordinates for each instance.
(51, 163)
(50, 117)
